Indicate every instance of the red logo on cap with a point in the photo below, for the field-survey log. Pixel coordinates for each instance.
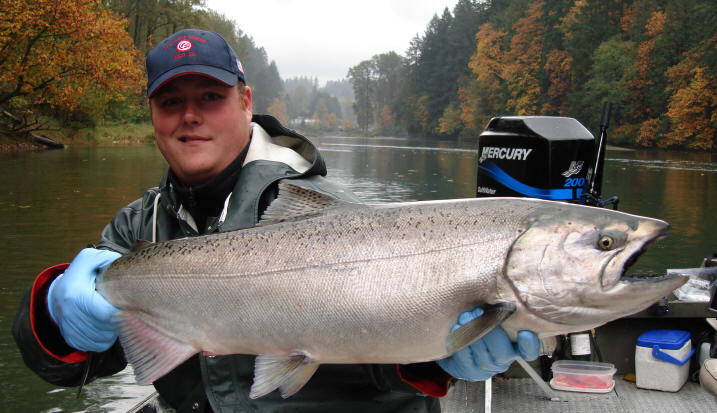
(184, 45)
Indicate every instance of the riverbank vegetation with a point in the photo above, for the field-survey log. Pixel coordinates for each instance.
(70, 69)
(74, 70)
(655, 61)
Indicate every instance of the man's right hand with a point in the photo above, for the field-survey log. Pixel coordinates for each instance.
(490, 355)
(82, 314)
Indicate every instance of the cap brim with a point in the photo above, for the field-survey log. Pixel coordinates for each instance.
(220, 75)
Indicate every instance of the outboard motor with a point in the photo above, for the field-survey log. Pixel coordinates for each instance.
(545, 157)
(535, 156)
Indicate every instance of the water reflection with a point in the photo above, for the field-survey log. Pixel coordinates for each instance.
(681, 189)
(679, 165)
(411, 148)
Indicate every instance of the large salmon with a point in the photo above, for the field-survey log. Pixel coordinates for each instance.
(324, 281)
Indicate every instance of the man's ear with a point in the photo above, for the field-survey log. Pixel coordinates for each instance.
(246, 99)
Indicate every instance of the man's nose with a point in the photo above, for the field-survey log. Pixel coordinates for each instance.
(192, 113)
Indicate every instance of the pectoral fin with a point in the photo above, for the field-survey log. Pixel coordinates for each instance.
(287, 373)
(493, 315)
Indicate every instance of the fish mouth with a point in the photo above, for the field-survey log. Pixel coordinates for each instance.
(647, 277)
(641, 277)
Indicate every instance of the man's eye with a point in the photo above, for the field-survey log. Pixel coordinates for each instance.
(211, 96)
(169, 102)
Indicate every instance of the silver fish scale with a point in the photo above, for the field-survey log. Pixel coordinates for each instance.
(366, 284)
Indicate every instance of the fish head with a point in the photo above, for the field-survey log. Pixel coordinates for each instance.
(567, 270)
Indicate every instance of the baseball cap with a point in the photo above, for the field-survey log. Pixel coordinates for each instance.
(192, 51)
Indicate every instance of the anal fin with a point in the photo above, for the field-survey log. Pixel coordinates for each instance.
(493, 315)
(151, 353)
(287, 373)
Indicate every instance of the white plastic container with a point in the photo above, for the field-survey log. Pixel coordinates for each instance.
(583, 376)
(662, 359)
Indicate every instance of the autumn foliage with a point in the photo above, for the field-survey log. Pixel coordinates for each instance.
(644, 58)
(57, 54)
(655, 61)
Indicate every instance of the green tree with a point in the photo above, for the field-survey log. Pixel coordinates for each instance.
(361, 78)
(587, 24)
(436, 85)
(388, 71)
(613, 64)
(300, 92)
(150, 21)
(329, 102)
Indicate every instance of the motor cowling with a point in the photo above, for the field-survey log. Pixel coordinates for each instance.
(543, 157)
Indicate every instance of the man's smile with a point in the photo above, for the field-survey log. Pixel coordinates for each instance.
(193, 138)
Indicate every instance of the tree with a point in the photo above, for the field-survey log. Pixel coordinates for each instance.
(330, 103)
(388, 72)
(300, 96)
(386, 123)
(436, 78)
(587, 24)
(450, 123)
(325, 120)
(640, 80)
(648, 131)
(613, 64)
(558, 65)
(150, 21)
(482, 96)
(423, 114)
(54, 53)
(523, 62)
(361, 79)
(692, 107)
(278, 110)
(263, 77)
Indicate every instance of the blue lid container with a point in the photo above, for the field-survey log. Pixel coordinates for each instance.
(665, 339)
(660, 340)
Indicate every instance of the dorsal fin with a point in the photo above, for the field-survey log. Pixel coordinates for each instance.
(295, 202)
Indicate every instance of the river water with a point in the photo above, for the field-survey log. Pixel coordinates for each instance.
(56, 202)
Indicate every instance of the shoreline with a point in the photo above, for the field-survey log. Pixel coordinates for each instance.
(120, 134)
(142, 133)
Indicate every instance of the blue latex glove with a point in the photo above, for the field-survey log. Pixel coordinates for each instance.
(83, 315)
(490, 355)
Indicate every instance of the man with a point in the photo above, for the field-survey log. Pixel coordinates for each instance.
(224, 168)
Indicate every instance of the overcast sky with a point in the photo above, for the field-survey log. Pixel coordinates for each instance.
(323, 38)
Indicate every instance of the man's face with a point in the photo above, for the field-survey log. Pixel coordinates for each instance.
(200, 126)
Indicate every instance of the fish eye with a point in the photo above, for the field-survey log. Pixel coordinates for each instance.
(606, 242)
